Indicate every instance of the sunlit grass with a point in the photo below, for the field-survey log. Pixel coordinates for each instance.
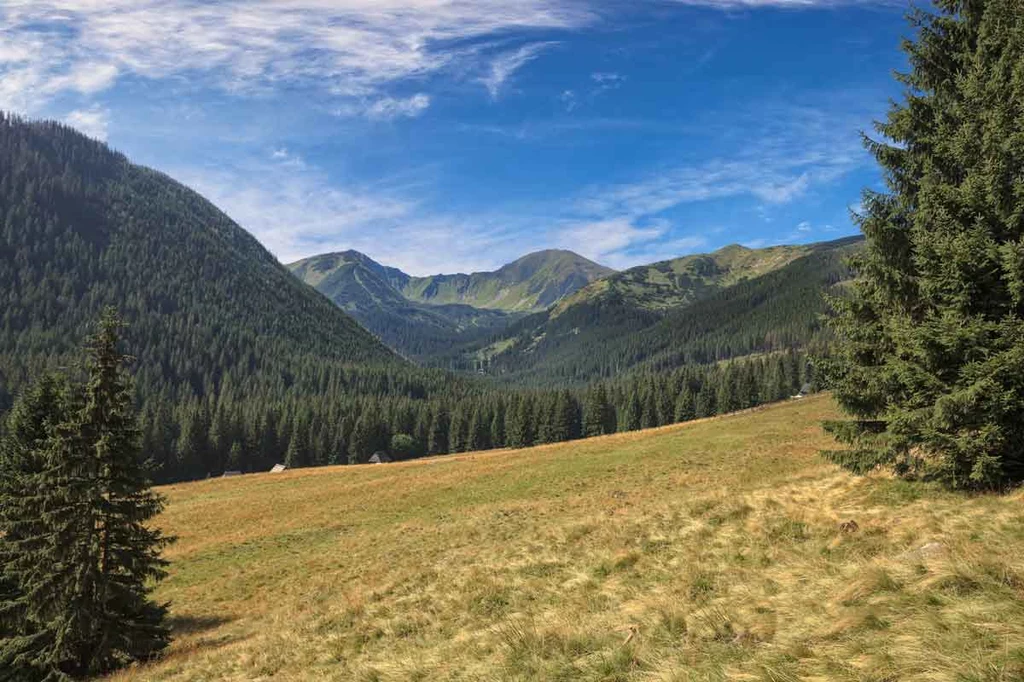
(708, 551)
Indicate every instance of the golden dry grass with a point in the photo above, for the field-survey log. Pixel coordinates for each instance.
(708, 551)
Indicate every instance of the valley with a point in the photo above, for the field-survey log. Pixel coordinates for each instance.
(238, 444)
(696, 309)
(214, 321)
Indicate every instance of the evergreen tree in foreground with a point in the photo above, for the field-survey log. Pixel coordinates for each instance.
(931, 354)
(77, 558)
(32, 422)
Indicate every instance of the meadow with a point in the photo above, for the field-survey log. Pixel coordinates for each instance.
(724, 549)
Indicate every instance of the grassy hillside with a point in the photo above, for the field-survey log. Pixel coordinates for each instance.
(708, 551)
(675, 283)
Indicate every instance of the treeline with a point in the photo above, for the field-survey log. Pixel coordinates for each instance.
(206, 437)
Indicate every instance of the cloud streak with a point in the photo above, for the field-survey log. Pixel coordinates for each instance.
(785, 4)
(353, 48)
(506, 64)
(295, 210)
(388, 108)
(798, 149)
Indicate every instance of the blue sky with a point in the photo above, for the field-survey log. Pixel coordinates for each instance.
(457, 135)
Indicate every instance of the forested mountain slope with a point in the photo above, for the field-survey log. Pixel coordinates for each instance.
(240, 365)
(370, 292)
(83, 228)
(606, 334)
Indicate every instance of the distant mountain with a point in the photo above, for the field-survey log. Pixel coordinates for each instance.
(371, 293)
(423, 316)
(674, 283)
(692, 310)
(532, 283)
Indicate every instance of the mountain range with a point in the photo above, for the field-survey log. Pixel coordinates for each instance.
(587, 321)
(422, 316)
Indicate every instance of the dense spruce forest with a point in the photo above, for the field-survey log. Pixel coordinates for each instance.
(239, 366)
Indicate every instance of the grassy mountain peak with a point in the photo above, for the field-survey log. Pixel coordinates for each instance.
(531, 283)
(317, 269)
(373, 294)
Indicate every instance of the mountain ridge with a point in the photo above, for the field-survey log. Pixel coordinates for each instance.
(421, 316)
(372, 294)
(530, 283)
(675, 282)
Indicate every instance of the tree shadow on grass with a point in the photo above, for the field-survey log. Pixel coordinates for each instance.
(185, 625)
(190, 634)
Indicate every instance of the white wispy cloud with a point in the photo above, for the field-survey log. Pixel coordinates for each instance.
(352, 48)
(600, 239)
(784, 4)
(296, 210)
(655, 252)
(796, 150)
(389, 107)
(504, 65)
(569, 101)
(93, 121)
(607, 81)
(619, 243)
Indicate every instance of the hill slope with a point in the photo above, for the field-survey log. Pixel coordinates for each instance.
(678, 282)
(617, 325)
(707, 551)
(370, 292)
(83, 228)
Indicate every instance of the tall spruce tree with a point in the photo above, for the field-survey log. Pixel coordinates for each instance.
(86, 564)
(24, 636)
(598, 413)
(437, 438)
(931, 361)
